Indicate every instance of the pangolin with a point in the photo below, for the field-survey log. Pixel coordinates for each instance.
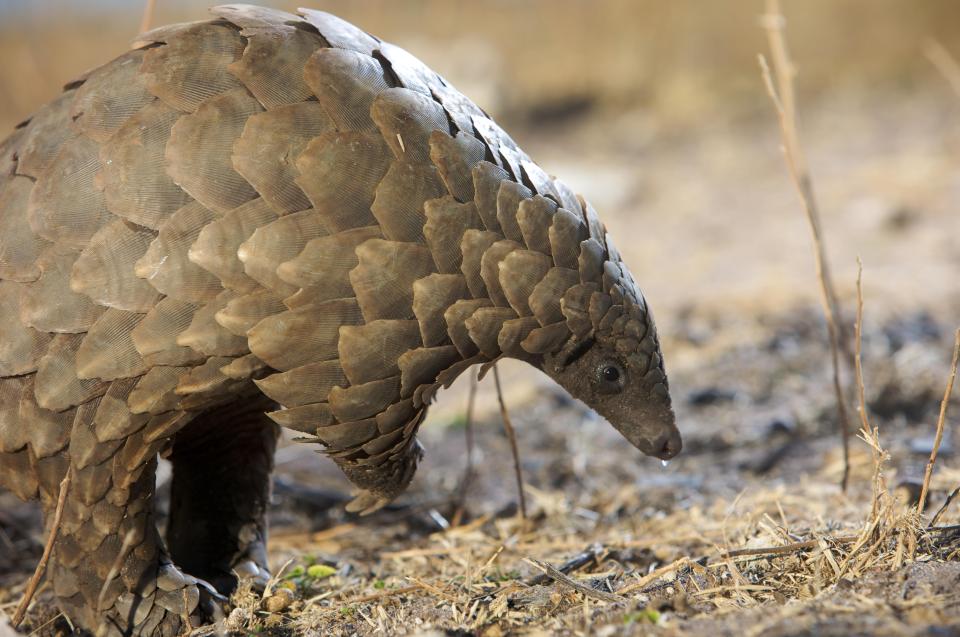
(263, 219)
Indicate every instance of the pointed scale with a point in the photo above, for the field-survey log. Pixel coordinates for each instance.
(215, 248)
(267, 150)
(191, 66)
(432, 295)
(370, 352)
(383, 279)
(167, 266)
(276, 242)
(340, 172)
(104, 271)
(134, 176)
(345, 83)
(107, 351)
(447, 221)
(304, 335)
(200, 148)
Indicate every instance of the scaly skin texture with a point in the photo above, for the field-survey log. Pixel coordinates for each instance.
(263, 211)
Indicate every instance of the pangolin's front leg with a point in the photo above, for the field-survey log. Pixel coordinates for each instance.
(221, 490)
(110, 569)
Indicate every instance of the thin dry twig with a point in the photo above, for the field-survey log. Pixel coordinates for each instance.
(870, 434)
(782, 96)
(812, 544)
(468, 469)
(943, 508)
(654, 575)
(373, 597)
(789, 548)
(576, 562)
(47, 551)
(512, 436)
(128, 542)
(858, 340)
(944, 62)
(940, 422)
(382, 594)
(559, 577)
(147, 20)
(432, 589)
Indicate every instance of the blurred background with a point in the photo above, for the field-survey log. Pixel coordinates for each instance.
(656, 112)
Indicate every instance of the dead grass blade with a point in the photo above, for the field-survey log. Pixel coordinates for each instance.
(430, 588)
(944, 62)
(793, 547)
(940, 423)
(468, 469)
(559, 577)
(372, 597)
(653, 576)
(128, 542)
(512, 437)
(47, 551)
(146, 22)
(782, 96)
(870, 434)
(943, 508)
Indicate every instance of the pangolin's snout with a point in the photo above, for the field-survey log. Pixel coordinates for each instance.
(662, 442)
(666, 445)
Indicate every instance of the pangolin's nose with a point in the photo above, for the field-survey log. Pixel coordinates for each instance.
(667, 445)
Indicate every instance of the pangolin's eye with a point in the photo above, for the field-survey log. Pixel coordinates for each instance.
(610, 377)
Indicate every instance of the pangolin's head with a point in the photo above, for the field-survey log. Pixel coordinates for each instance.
(612, 361)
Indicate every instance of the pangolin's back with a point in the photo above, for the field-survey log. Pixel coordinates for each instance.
(275, 201)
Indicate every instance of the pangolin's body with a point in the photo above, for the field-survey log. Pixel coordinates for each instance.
(269, 213)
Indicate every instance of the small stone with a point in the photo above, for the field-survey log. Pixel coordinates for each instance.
(279, 600)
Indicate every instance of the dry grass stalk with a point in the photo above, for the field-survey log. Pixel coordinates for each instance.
(782, 96)
(468, 469)
(793, 547)
(146, 22)
(430, 588)
(47, 551)
(557, 576)
(943, 508)
(128, 542)
(653, 576)
(944, 62)
(809, 545)
(512, 437)
(381, 595)
(940, 423)
(870, 434)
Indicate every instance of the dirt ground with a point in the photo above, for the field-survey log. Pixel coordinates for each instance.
(706, 217)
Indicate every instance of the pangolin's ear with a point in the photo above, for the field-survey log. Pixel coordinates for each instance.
(574, 349)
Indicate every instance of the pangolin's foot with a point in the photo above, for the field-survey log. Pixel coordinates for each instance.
(249, 565)
(220, 493)
(171, 605)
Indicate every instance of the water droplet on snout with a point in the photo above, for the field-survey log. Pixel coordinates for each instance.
(664, 463)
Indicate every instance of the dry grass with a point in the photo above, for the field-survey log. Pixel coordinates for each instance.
(733, 550)
(38, 573)
(713, 546)
(771, 559)
(782, 94)
(486, 576)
